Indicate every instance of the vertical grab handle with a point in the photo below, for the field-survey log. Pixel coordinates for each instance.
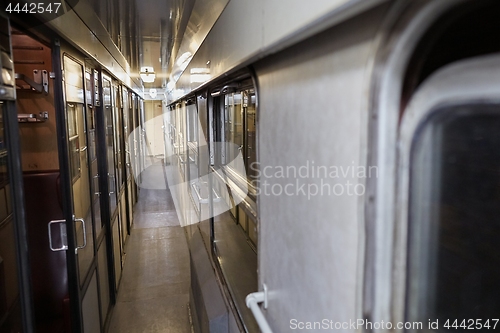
(82, 221)
(93, 179)
(113, 183)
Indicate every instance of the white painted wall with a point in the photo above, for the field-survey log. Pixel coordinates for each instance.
(313, 104)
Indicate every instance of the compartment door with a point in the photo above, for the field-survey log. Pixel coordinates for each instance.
(75, 233)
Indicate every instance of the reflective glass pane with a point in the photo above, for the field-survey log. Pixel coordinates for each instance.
(3, 167)
(2, 137)
(192, 128)
(71, 118)
(110, 148)
(74, 156)
(117, 135)
(249, 103)
(233, 125)
(10, 310)
(454, 225)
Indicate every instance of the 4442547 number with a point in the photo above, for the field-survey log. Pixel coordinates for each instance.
(33, 7)
(471, 324)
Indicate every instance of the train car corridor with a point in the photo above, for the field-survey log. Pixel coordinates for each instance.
(235, 166)
(153, 294)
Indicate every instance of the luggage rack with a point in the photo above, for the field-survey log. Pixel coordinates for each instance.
(39, 83)
(32, 117)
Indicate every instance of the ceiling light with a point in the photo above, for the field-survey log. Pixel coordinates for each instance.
(147, 74)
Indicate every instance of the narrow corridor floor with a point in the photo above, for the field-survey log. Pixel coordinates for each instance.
(153, 295)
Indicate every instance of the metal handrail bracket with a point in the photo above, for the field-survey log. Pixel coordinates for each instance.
(216, 197)
(252, 301)
(200, 199)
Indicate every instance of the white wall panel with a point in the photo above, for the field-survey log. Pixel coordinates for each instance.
(282, 18)
(313, 111)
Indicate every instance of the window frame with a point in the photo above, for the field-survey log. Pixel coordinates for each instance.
(232, 227)
(471, 81)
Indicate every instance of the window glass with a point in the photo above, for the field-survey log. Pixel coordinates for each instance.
(181, 138)
(192, 127)
(88, 87)
(10, 308)
(232, 123)
(74, 155)
(454, 226)
(2, 135)
(92, 138)
(4, 177)
(192, 123)
(117, 112)
(236, 121)
(110, 148)
(72, 110)
(71, 116)
(249, 104)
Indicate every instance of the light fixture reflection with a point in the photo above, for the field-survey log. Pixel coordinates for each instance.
(153, 92)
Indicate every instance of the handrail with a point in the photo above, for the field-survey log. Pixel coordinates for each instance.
(252, 301)
(216, 197)
(200, 199)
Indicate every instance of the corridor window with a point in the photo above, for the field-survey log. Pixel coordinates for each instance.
(250, 111)
(192, 141)
(235, 125)
(74, 142)
(235, 231)
(454, 226)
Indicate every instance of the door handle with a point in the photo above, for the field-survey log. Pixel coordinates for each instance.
(64, 235)
(112, 183)
(82, 221)
(62, 232)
